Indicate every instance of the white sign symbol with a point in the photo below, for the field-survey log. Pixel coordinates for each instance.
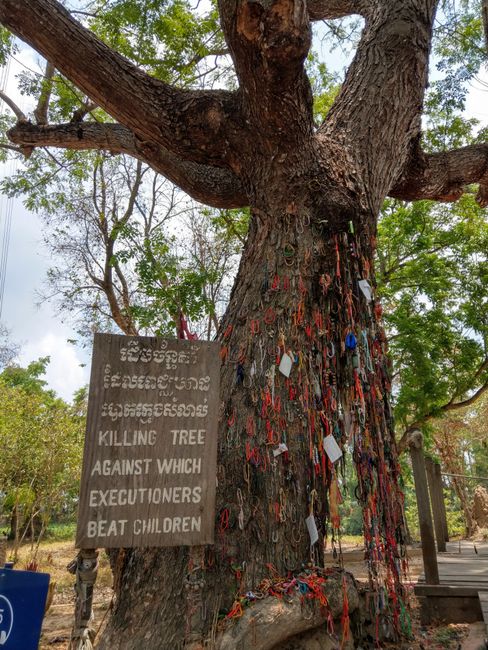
(6, 611)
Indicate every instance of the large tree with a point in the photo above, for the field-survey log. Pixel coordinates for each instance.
(305, 287)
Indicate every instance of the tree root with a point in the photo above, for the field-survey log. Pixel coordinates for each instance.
(270, 623)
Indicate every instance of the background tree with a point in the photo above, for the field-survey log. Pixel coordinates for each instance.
(461, 442)
(131, 251)
(315, 194)
(433, 272)
(41, 438)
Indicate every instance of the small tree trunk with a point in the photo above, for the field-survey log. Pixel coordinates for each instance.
(13, 523)
(452, 458)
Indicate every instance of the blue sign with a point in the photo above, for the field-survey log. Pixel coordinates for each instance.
(22, 601)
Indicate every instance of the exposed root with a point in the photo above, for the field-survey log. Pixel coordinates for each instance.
(271, 622)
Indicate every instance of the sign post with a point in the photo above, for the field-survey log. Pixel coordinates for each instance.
(150, 456)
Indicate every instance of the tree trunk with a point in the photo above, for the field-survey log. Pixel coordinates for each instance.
(297, 297)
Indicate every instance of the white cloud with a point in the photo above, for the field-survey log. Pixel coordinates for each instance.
(64, 373)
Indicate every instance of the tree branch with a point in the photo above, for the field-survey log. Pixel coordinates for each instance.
(41, 110)
(212, 185)
(443, 176)
(80, 113)
(454, 406)
(10, 147)
(268, 42)
(376, 115)
(330, 9)
(193, 124)
(13, 106)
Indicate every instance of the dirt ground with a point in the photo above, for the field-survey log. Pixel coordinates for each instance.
(54, 557)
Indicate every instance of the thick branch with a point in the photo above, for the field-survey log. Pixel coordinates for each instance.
(377, 113)
(269, 41)
(443, 176)
(212, 185)
(192, 124)
(330, 9)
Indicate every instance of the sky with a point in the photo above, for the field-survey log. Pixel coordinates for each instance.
(37, 328)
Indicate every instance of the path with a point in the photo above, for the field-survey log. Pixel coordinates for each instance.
(463, 571)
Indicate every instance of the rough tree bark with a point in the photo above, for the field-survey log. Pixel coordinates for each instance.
(314, 197)
(452, 458)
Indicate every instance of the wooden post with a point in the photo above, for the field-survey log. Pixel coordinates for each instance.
(436, 505)
(3, 551)
(85, 567)
(440, 489)
(423, 507)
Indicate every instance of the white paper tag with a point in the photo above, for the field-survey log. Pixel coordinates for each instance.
(280, 449)
(312, 529)
(285, 365)
(332, 449)
(366, 289)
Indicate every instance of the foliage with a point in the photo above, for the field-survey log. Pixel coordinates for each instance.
(325, 86)
(172, 280)
(7, 45)
(61, 532)
(433, 272)
(41, 440)
(138, 31)
(132, 252)
(28, 379)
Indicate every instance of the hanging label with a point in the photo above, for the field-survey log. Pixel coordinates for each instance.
(285, 365)
(280, 450)
(366, 289)
(312, 529)
(332, 449)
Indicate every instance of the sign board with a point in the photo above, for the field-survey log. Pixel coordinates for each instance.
(149, 465)
(22, 601)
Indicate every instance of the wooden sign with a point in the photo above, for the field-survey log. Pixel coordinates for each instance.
(149, 466)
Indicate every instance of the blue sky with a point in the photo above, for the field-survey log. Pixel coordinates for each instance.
(39, 331)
